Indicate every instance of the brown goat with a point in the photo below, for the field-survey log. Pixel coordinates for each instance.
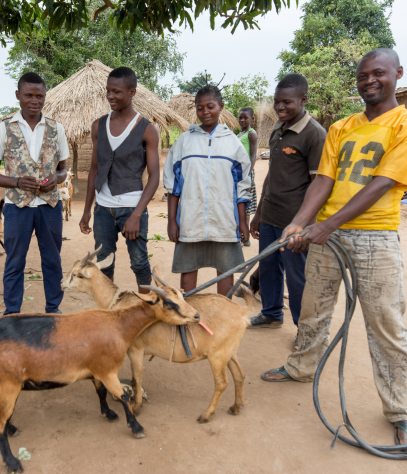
(226, 319)
(48, 351)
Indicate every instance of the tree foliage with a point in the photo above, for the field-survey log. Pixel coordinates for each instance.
(59, 54)
(326, 22)
(192, 86)
(25, 17)
(327, 71)
(5, 111)
(245, 92)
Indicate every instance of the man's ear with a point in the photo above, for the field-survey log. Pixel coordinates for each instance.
(17, 94)
(400, 72)
(304, 99)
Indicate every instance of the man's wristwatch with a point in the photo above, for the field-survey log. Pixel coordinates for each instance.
(18, 180)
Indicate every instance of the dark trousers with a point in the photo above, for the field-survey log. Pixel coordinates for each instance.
(107, 223)
(19, 224)
(272, 277)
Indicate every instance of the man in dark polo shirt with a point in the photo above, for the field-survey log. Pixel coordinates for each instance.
(296, 144)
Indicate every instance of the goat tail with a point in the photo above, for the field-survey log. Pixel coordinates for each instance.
(247, 294)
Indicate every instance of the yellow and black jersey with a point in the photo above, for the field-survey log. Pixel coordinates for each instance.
(355, 151)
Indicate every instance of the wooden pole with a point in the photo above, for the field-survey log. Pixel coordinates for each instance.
(75, 181)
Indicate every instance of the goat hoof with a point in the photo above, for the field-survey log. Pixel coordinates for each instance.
(14, 465)
(111, 416)
(234, 410)
(202, 419)
(12, 431)
(136, 409)
(139, 435)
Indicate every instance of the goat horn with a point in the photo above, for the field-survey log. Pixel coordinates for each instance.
(158, 278)
(93, 254)
(84, 261)
(155, 289)
(90, 256)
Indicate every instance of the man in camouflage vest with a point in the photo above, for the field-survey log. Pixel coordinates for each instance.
(34, 149)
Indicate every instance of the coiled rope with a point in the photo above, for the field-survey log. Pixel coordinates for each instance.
(351, 296)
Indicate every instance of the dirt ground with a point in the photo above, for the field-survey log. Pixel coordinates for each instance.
(278, 431)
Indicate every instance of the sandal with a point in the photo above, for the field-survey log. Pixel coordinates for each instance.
(403, 426)
(281, 371)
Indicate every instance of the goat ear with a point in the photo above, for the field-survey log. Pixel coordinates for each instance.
(150, 298)
(106, 262)
(84, 273)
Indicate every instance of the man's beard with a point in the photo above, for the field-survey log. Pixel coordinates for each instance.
(374, 100)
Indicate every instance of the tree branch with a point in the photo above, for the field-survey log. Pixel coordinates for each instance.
(96, 13)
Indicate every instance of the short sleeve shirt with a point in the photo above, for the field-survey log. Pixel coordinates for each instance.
(356, 150)
(294, 156)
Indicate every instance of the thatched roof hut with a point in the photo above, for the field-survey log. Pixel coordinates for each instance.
(184, 105)
(266, 117)
(79, 100)
(401, 96)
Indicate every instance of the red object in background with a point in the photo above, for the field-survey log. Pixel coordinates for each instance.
(45, 181)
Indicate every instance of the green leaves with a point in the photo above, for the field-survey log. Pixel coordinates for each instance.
(25, 17)
(56, 55)
(245, 92)
(331, 79)
(326, 22)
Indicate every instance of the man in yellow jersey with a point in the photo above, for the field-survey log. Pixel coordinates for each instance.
(361, 179)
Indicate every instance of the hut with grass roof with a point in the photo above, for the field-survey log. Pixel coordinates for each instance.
(265, 118)
(81, 99)
(184, 105)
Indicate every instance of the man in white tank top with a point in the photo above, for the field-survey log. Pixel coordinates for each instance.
(124, 144)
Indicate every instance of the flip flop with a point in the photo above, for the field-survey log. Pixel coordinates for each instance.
(403, 426)
(281, 371)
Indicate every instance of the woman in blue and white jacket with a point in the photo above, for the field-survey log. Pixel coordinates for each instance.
(207, 178)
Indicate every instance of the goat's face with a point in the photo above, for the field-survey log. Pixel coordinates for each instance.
(169, 305)
(79, 278)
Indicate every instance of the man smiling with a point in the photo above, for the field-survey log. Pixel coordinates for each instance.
(360, 181)
(34, 149)
(124, 144)
(296, 145)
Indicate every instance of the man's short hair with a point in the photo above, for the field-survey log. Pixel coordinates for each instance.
(387, 51)
(30, 78)
(247, 110)
(127, 74)
(295, 81)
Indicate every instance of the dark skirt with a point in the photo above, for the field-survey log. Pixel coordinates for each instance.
(190, 256)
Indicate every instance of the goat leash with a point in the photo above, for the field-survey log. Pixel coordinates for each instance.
(344, 261)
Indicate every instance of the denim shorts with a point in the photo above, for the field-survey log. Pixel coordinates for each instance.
(108, 223)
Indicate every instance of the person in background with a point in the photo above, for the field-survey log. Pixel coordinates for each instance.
(207, 178)
(34, 149)
(124, 144)
(248, 137)
(357, 192)
(296, 144)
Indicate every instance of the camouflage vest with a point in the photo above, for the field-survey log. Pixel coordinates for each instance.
(18, 162)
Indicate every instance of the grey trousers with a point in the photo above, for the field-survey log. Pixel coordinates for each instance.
(379, 267)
